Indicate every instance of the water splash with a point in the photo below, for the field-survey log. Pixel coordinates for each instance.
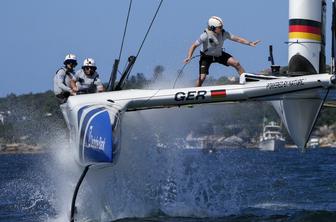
(160, 180)
(155, 176)
(65, 173)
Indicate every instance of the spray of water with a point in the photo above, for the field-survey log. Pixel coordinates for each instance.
(64, 173)
(154, 174)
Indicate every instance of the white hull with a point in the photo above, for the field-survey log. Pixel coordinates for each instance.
(90, 117)
(271, 145)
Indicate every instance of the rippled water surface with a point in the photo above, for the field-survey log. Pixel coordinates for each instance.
(176, 185)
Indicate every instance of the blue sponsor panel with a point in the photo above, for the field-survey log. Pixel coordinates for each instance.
(80, 112)
(98, 144)
(83, 125)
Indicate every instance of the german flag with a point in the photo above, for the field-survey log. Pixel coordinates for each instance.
(304, 29)
(217, 94)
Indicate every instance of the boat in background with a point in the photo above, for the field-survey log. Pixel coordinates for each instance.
(271, 138)
(313, 142)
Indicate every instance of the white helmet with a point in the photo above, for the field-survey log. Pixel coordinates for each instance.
(214, 22)
(70, 58)
(89, 62)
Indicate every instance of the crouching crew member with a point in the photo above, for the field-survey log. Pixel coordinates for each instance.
(87, 79)
(64, 80)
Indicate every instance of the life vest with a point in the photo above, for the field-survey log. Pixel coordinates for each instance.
(87, 87)
(214, 43)
(64, 77)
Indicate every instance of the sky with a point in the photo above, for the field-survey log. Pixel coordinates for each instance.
(37, 34)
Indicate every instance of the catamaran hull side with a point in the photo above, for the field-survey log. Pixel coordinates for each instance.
(262, 90)
(93, 118)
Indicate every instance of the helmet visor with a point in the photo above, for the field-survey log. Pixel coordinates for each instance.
(93, 68)
(71, 61)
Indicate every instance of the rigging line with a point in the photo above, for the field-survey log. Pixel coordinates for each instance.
(145, 102)
(143, 41)
(180, 72)
(149, 28)
(125, 29)
(115, 70)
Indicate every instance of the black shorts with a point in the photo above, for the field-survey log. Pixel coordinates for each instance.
(206, 61)
(62, 97)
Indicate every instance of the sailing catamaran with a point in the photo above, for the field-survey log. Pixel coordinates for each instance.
(94, 120)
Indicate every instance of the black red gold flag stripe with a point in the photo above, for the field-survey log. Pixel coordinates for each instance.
(218, 93)
(304, 29)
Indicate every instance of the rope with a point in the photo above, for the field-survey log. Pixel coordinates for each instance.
(115, 70)
(125, 29)
(149, 28)
(180, 71)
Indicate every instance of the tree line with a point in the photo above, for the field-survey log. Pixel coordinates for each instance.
(36, 117)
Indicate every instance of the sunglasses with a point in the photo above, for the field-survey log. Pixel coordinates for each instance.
(90, 67)
(74, 63)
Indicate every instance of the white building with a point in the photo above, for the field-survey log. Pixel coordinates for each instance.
(2, 118)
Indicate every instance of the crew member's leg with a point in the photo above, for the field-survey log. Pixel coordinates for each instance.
(235, 63)
(200, 80)
(204, 65)
(62, 97)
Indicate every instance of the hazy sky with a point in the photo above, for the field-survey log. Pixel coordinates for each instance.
(36, 35)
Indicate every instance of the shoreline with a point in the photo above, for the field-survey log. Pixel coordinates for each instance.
(21, 148)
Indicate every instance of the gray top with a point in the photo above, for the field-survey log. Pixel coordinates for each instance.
(212, 42)
(62, 81)
(86, 83)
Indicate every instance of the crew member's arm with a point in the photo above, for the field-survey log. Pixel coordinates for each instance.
(203, 37)
(100, 88)
(190, 53)
(60, 76)
(99, 85)
(244, 41)
(79, 84)
(73, 86)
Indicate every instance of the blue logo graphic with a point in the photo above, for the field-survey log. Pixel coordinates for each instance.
(98, 139)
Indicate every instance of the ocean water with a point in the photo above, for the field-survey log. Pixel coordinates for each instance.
(26, 189)
(175, 185)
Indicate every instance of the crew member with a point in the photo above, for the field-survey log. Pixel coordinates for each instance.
(87, 79)
(212, 39)
(64, 80)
